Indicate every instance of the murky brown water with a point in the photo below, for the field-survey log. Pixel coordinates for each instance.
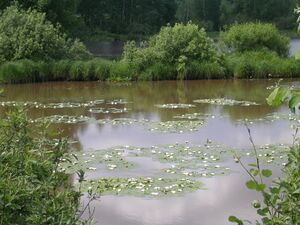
(224, 195)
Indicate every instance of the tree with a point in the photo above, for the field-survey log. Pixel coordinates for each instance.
(26, 34)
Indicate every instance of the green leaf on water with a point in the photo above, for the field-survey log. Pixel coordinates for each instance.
(234, 219)
(267, 173)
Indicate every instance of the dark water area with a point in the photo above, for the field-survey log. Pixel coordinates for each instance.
(113, 50)
(221, 197)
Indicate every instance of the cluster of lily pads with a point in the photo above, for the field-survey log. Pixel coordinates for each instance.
(177, 126)
(59, 119)
(175, 106)
(142, 186)
(62, 105)
(108, 110)
(270, 154)
(182, 166)
(225, 101)
(272, 118)
(197, 116)
(112, 159)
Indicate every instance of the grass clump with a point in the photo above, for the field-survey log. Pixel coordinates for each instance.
(262, 64)
(32, 188)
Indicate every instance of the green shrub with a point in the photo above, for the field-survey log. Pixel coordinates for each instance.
(32, 188)
(255, 37)
(28, 35)
(174, 46)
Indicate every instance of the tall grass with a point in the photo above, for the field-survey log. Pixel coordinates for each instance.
(262, 64)
(255, 64)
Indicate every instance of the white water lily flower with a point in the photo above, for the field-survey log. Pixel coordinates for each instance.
(154, 193)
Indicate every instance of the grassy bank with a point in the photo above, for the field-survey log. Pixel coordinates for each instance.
(241, 66)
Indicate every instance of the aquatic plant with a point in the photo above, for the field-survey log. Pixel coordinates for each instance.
(143, 186)
(175, 106)
(178, 126)
(225, 101)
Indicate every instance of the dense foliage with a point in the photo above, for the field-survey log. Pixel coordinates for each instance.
(145, 17)
(28, 35)
(255, 36)
(176, 46)
(32, 188)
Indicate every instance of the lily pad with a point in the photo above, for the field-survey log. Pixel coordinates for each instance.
(178, 126)
(108, 110)
(112, 159)
(225, 101)
(142, 186)
(197, 116)
(175, 106)
(64, 119)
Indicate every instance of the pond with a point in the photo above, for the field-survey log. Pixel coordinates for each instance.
(175, 136)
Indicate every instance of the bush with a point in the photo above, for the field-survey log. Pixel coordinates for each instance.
(32, 188)
(255, 37)
(28, 35)
(175, 46)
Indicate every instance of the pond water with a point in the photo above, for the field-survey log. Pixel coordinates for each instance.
(95, 110)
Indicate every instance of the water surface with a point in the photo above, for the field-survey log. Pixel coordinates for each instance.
(222, 196)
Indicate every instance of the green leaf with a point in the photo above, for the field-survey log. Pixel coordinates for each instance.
(234, 219)
(262, 212)
(267, 173)
(254, 172)
(260, 187)
(294, 102)
(256, 204)
(278, 96)
(252, 185)
(252, 165)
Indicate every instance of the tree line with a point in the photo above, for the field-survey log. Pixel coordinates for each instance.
(145, 17)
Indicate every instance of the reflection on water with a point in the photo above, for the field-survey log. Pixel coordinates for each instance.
(224, 196)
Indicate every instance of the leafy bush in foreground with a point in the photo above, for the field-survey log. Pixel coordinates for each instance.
(255, 37)
(32, 188)
(28, 35)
